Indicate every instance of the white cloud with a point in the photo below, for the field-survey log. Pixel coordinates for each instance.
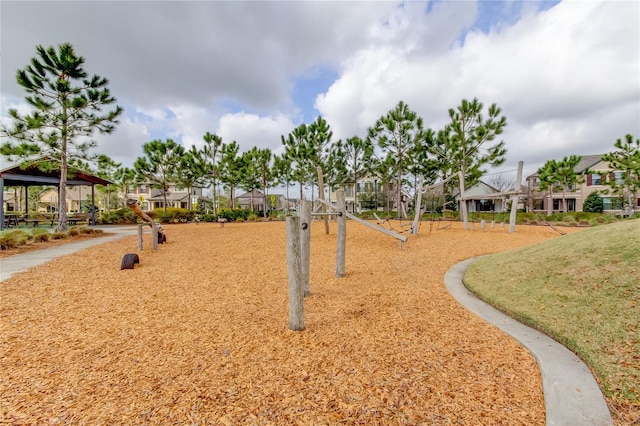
(558, 75)
(566, 78)
(251, 130)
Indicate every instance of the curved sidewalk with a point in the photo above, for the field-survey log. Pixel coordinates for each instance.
(22, 262)
(571, 394)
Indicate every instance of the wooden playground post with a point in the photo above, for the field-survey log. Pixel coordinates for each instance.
(305, 244)
(154, 236)
(296, 292)
(321, 196)
(514, 199)
(418, 216)
(463, 202)
(342, 234)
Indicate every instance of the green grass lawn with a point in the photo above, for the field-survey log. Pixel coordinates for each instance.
(582, 289)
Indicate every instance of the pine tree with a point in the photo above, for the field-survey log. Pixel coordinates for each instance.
(67, 111)
(396, 134)
(626, 160)
(159, 167)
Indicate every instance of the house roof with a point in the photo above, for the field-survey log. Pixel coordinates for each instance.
(480, 188)
(29, 176)
(171, 196)
(256, 194)
(586, 161)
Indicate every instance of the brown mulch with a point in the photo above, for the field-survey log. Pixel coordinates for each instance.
(197, 333)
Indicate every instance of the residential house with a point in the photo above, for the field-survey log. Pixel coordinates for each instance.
(78, 199)
(489, 204)
(11, 200)
(152, 198)
(377, 195)
(596, 174)
(256, 199)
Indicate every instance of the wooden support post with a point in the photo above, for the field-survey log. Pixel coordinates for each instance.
(140, 237)
(342, 234)
(296, 296)
(463, 202)
(514, 199)
(305, 244)
(154, 236)
(321, 196)
(482, 224)
(416, 219)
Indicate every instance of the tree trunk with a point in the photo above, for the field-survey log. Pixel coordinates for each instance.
(62, 193)
(399, 189)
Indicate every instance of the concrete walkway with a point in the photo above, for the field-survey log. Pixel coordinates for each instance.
(571, 394)
(22, 262)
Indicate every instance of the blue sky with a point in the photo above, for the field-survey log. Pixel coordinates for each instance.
(566, 74)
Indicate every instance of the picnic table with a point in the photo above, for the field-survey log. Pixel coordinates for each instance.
(10, 220)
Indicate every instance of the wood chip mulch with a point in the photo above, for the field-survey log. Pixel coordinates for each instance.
(197, 333)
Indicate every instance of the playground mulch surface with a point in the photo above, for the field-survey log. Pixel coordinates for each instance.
(198, 333)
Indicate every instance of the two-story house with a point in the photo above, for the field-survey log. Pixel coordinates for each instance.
(152, 198)
(596, 174)
(371, 194)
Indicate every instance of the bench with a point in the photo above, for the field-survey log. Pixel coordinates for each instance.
(79, 219)
(34, 222)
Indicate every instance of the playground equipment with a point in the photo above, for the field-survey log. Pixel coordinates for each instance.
(298, 255)
(298, 251)
(130, 259)
(156, 229)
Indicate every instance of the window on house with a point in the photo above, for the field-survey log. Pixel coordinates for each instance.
(131, 189)
(619, 178)
(144, 189)
(612, 203)
(348, 190)
(571, 204)
(596, 179)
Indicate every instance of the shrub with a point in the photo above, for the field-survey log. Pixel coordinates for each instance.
(173, 215)
(72, 232)
(593, 203)
(13, 239)
(41, 237)
(252, 217)
(234, 215)
(125, 215)
(208, 218)
(58, 235)
(38, 231)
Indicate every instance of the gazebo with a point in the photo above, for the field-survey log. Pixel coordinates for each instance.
(31, 176)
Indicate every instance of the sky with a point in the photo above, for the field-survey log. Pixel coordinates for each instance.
(566, 74)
